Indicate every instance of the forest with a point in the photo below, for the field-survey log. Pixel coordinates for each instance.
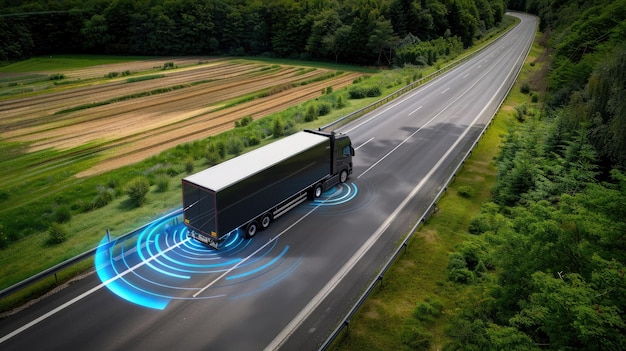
(546, 256)
(363, 32)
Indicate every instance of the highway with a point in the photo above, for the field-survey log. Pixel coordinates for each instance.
(289, 286)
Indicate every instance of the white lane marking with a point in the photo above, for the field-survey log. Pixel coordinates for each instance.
(214, 281)
(445, 90)
(465, 76)
(83, 295)
(417, 109)
(325, 291)
(360, 146)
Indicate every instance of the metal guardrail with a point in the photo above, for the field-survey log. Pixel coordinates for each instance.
(433, 205)
(74, 260)
(358, 113)
(342, 121)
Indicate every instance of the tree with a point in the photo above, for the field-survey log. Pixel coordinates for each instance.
(382, 40)
(95, 32)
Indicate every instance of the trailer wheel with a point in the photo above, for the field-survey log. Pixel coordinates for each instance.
(343, 176)
(266, 219)
(317, 191)
(251, 229)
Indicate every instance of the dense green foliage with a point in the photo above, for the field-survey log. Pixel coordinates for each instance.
(549, 253)
(355, 31)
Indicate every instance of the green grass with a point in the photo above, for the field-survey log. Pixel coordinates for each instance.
(64, 62)
(33, 254)
(386, 320)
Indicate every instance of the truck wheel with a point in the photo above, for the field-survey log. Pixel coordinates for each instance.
(343, 176)
(251, 229)
(266, 219)
(317, 191)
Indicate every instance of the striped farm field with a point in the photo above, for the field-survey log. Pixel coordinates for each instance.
(126, 119)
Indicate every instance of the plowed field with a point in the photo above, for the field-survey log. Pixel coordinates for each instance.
(130, 118)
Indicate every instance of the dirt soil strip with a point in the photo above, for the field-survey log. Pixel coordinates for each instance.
(94, 123)
(204, 123)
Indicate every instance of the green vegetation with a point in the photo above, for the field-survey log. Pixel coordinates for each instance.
(54, 193)
(354, 31)
(526, 250)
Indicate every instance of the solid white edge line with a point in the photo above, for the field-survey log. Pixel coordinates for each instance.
(322, 294)
(83, 295)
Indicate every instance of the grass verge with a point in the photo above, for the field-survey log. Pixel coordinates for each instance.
(413, 307)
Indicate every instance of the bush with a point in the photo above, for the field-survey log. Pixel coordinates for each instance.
(137, 189)
(189, 165)
(466, 191)
(278, 128)
(357, 93)
(340, 103)
(62, 214)
(243, 122)
(57, 76)
(56, 233)
(234, 145)
(213, 157)
(323, 109)
(105, 195)
(311, 113)
(252, 139)
(162, 183)
(479, 225)
(525, 88)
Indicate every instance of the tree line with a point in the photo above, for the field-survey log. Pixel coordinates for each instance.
(548, 255)
(364, 32)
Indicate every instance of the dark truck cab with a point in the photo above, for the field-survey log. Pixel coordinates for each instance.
(249, 191)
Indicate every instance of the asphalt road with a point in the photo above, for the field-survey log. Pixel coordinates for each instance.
(291, 285)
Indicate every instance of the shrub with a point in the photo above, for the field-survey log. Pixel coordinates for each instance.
(374, 91)
(213, 158)
(56, 233)
(105, 195)
(162, 183)
(525, 88)
(234, 145)
(478, 225)
(243, 122)
(466, 191)
(112, 74)
(62, 214)
(357, 93)
(463, 276)
(252, 139)
(311, 113)
(189, 165)
(534, 98)
(57, 76)
(136, 189)
(278, 128)
(323, 109)
(340, 103)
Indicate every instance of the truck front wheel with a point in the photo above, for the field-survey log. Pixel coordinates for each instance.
(343, 176)
(317, 191)
(251, 229)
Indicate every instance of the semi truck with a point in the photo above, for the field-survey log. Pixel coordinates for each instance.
(247, 193)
